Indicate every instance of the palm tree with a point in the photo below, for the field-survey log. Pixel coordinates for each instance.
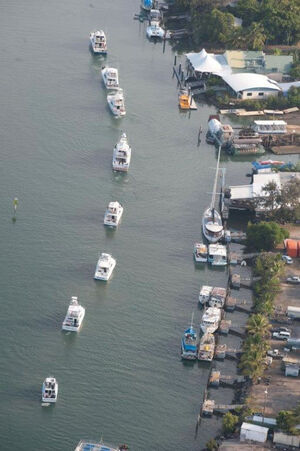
(258, 325)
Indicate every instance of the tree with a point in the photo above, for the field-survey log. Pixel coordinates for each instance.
(288, 419)
(265, 235)
(252, 363)
(211, 445)
(258, 325)
(230, 422)
(255, 36)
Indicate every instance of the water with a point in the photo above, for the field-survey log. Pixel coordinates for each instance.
(121, 377)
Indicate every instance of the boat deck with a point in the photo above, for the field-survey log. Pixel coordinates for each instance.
(93, 446)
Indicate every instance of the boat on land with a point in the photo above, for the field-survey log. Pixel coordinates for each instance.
(74, 316)
(189, 343)
(200, 252)
(204, 294)
(121, 155)
(104, 267)
(113, 214)
(206, 347)
(116, 102)
(89, 445)
(110, 77)
(217, 255)
(210, 320)
(98, 42)
(212, 225)
(49, 390)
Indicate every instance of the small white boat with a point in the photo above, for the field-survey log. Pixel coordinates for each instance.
(217, 297)
(121, 155)
(104, 267)
(217, 255)
(113, 214)
(91, 445)
(212, 225)
(116, 103)
(98, 42)
(204, 294)
(110, 77)
(210, 320)
(74, 316)
(200, 252)
(206, 347)
(154, 30)
(49, 390)
(155, 15)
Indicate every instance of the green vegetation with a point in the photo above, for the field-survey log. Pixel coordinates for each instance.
(287, 420)
(264, 21)
(211, 445)
(230, 422)
(265, 235)
(258, 326)
(282, 205)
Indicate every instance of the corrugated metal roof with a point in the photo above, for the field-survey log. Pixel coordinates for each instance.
(254, 427)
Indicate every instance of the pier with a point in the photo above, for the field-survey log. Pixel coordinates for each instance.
(210, 408)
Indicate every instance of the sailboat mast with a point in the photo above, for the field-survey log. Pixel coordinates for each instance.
(213, 198)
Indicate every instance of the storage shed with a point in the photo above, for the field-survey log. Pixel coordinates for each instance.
(253, 432)
(280, 438)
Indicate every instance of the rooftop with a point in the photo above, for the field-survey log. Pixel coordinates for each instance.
(247, 81)
(254, 427)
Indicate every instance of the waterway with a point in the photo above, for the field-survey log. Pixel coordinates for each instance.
(121, 377)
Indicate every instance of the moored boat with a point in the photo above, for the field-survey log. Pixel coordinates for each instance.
(104, 267)
(90, 445)
(184, 99)
(212, 225)
(204, 294)
(110, 77)
(113, 214)
(98, 42)
(210, 320)
(74, 316)
(206, 347)
(217, 297)
(49, 390)
(121, 155)
(154, 30)
(189, 343)
(147, 4)
(217, 255)
(116, 103)
(200, 252)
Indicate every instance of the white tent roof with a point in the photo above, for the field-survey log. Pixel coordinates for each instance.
(207, 62)
(244, 81)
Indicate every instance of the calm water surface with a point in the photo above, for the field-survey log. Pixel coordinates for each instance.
(122, 376)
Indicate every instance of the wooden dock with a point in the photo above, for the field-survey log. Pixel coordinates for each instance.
(286, 150)
(210, 408)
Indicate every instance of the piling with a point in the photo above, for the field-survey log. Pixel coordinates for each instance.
(175, 60)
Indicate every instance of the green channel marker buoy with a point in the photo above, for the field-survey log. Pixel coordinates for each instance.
(15, 205)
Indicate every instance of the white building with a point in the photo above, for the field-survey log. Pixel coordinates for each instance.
(253, 432)
(251, 86)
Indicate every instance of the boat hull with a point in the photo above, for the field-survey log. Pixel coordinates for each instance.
(209, 329)
(105, 277)
(120, 168)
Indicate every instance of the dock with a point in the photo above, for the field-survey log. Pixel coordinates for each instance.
(210, 408)
(225, 326)
(286, 150)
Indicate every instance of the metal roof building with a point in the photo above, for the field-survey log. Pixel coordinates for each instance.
(246, 85)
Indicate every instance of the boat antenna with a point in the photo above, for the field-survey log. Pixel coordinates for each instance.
(213, 198)
(192, 320)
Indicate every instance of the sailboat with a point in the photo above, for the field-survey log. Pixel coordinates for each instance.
(189, 343)
(211, 221)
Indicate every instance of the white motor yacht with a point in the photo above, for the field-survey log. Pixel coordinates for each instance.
(217, 255)
(110, 77)
(98, 42)
(105, 267)
(154, 30)
(200, 252)
(212, 225)
(121, 155)
(91, 445)
(210, 320)
(204, 294)
(74, 316)
(113, 214)
(116, 103)
(49, 390)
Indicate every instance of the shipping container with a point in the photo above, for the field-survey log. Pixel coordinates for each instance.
(291, 248)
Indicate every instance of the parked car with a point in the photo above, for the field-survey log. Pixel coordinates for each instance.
(281, 329)
(288, 260)
(282, 335)
(293, 279)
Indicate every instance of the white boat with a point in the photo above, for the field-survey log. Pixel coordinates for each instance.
(49, 390)
(212, 226)
(217, 297)
(189, 343)
(200, 252)
(204, 294)
(91, 445)
(210, 320)
(154, 30)
(116, 102)
(110, 77)
(74, 316)
(206, 347)
(113, 214)
(217, 255)
(98, 42)
(104, 267)
(121, 155)
(155, 15)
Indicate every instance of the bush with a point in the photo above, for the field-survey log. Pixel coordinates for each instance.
(264, 236)
(230, 422)
(211, 445)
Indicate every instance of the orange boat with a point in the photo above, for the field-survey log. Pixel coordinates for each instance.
(184, 100)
